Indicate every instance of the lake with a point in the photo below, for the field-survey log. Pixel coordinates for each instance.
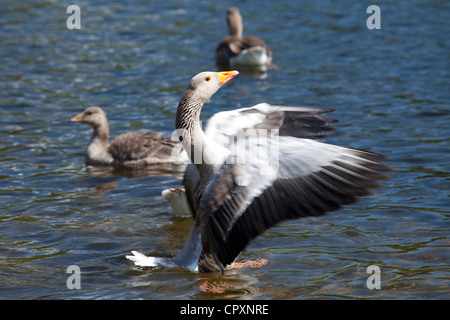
(390, 91)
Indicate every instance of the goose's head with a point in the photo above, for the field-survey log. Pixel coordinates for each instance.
(94, 116)
(205, 84)
(199, 90)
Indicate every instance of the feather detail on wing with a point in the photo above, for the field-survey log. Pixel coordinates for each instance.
(227, 127)
(253, 191)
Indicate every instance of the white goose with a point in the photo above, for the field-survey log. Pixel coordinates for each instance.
(223, 127)
(237, 193)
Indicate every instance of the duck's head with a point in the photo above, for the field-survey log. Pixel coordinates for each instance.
(93, 116)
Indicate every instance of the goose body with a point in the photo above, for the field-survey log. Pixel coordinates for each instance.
(223, 127)
(238, 188)
(241, 51)
(135, 148)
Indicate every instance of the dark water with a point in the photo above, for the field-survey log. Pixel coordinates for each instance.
(390, 89)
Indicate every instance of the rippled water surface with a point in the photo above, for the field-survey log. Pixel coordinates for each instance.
(390, 89)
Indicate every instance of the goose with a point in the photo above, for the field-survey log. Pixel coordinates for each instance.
(257, 182)
(238, 50)
(132, 149)
(222, 127)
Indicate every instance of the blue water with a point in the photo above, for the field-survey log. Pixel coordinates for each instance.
(390, 89)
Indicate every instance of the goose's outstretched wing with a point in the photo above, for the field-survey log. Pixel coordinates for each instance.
(227, 127)
(301, 122)
(255, 189)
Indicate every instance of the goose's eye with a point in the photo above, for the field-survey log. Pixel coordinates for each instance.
(208, 78)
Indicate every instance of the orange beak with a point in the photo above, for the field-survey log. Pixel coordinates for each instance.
(78, 118)
(226, 76)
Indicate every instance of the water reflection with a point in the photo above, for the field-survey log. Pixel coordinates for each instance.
(159, 170)
(233, 285)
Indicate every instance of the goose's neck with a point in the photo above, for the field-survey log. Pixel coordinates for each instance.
(204, 153)
(235, 27)
(101, 133)
(99, 144)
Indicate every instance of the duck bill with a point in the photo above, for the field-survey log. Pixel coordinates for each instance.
(226, 76)
(78, 118)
